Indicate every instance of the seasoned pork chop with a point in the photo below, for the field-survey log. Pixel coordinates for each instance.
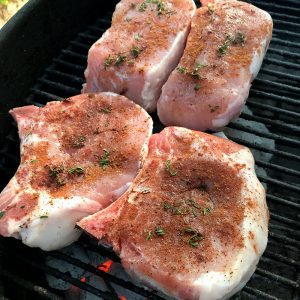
(137, 53)
(194, 222)
(77, 157)
(224, 52)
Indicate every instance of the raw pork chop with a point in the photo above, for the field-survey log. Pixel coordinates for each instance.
(194, 222)
(224, 52)
(77, 157)
(137, 54)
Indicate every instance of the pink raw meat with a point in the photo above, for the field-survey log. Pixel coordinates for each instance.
(77, 157)
(224, 52)
(135, 56)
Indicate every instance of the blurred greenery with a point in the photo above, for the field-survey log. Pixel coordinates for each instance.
(4, 2)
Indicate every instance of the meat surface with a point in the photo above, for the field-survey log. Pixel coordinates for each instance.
(77, 157)
(224, 52)
(135, 56)
(194, 223)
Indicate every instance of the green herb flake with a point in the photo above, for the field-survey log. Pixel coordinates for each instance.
(176, 211)
(168, 168)
(222, 50)
(137, 36)
(44, 217)
(108, 61)
(77, 170)
(197, 87)
(146, 191)
(195, 213)
(33, 161)
(149, 236)
(107, 110)
(181, 69)
(135, 51)
(239, 39)
(2, 213)
(159, 231)
(104, 159)
(120, 59)
(195, 239)
(206, 211)
(143, 6)
(167, 206)
(191, 202)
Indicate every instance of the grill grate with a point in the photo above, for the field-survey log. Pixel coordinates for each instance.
(269, 126)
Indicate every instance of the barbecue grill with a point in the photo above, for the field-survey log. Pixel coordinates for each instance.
(43, 53)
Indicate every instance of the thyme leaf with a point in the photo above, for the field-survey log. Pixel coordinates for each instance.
(159, 231)
(77, 170)
(2, 213)
(168, 168)
(104, 159)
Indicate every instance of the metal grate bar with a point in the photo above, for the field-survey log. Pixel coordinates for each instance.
(126, 284)
(288, 9)
(282, 201)
(281, 258)
(29, 286)
(282, 184)
(277, 167)
(286, 32)
(275, 97)
(276, 137)
(46, 95)
(59, 86)
(287, 23)
(258, 293)
(80, 45)
(277, 278)
(65, 76)
(284, 16)
(96, 29)
(284, 239)
(73, 54)
(281, 63)
(281, 74)
(61, 62)
(284, 42)
(284, 220)
(87, 36)
(278, 124)
(274, 109)
(284, 53)
(258, 147)
(278, 85)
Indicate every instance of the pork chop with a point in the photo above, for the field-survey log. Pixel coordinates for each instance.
(77, 157)
(224, 52)
(135, 56)
(194, 223)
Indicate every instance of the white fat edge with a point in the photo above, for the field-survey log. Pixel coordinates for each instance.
(221, 285)
(223, 119)
(58, 229)
(257, 58)
(157, 75)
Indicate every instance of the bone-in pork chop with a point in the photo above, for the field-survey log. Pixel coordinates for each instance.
(224, 52)
(135, 56)
(77, 157)
(194, 222)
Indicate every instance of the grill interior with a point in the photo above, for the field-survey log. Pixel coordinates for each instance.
(269, 126)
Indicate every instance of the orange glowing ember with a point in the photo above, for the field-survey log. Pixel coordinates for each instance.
(83, 279)
(105, 266)
(122, 298)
